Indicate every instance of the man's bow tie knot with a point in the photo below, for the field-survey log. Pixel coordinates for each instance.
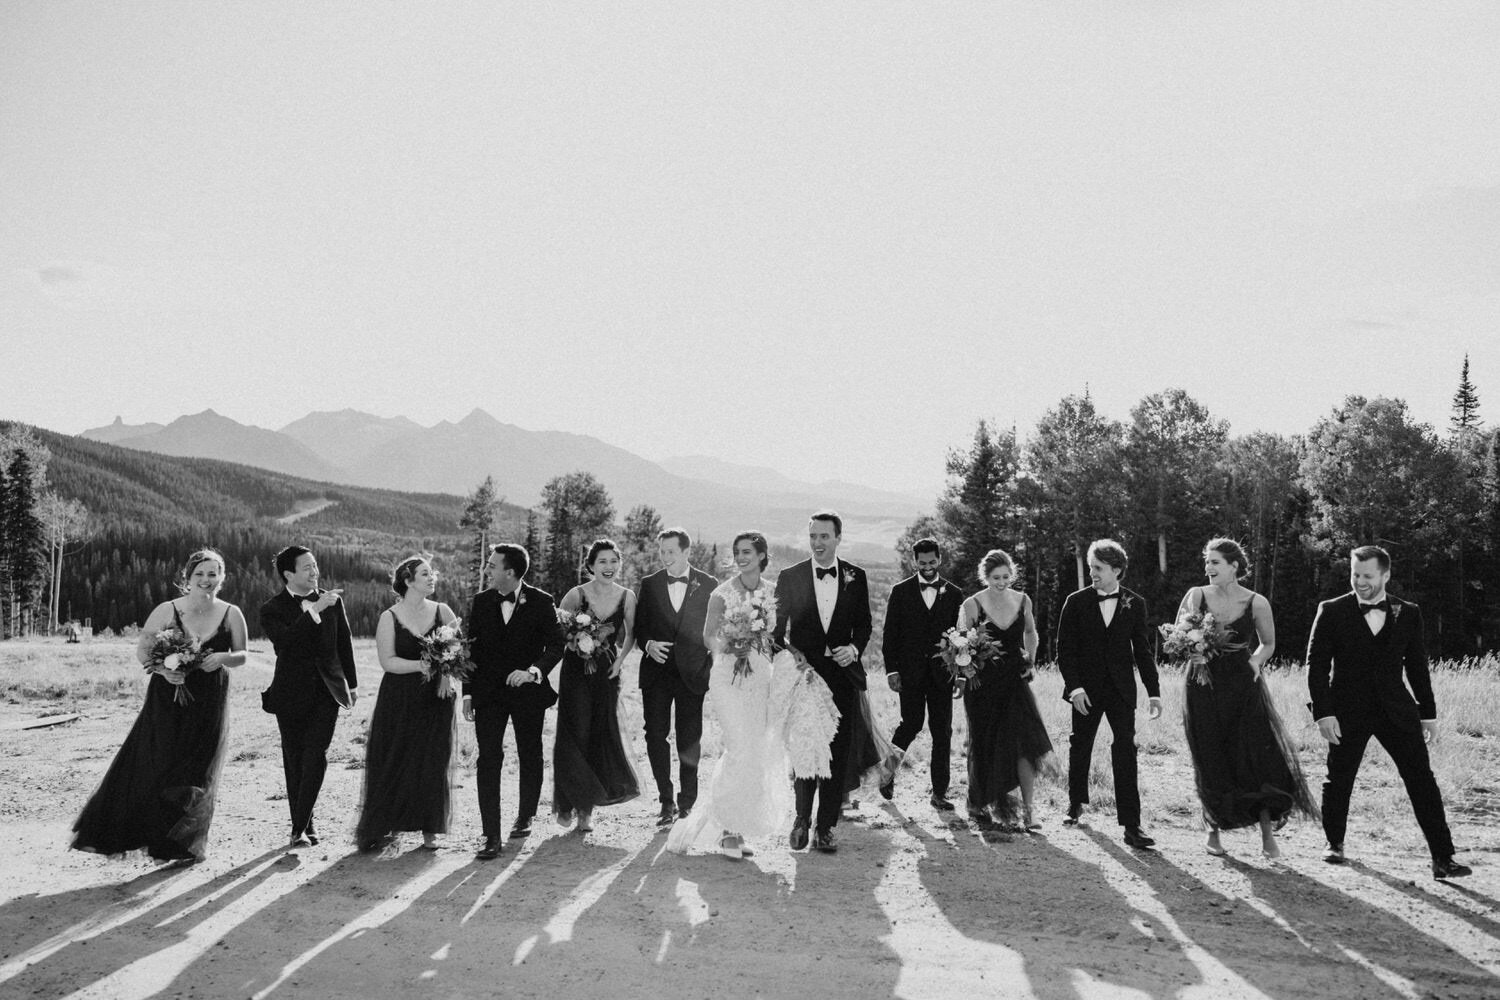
(828, 571)
(1365, 609)
(1109, 597)
(928, 586)
(676, 579)
(508, 598)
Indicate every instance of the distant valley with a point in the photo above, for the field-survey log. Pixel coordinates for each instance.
(709, 496)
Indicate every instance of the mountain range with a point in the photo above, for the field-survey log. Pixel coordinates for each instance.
(709, 496)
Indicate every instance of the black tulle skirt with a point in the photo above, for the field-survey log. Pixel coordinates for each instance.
(1243, 762)
(159, 792)
(1005, 728)
(590, 766)
(408, 760)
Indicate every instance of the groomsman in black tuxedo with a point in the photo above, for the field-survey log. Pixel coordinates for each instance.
(314, 678)
(514, 642)
(823, 613)
(1360, 647)
(669, 615)
(922, 607)
(1102, 641)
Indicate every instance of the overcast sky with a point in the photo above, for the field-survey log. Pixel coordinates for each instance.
(823, 237)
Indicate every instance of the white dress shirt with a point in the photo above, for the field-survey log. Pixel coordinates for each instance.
(1107, 609)
(677, 592)
(827, 592)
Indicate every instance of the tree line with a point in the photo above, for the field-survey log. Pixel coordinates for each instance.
(1171, 477)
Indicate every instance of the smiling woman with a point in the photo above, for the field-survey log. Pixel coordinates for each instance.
(159, 793)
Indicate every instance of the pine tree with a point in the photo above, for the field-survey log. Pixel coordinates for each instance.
(479, 519)
(1465, 403)
(533, 542)
(578, 510)
(22, 541)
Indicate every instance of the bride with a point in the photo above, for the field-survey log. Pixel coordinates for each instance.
(749, 792)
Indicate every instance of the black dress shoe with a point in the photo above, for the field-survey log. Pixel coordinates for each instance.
(1135, 838)
(521, 829)
(668, 815)
(941, 804)
(299, 840)
(1448, 868)
(1334, 854)
(1075, 814)
(888, 789)
(798, 839)
(491, 849)
(823, 841)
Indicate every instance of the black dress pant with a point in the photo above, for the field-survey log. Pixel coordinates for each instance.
(1106, 704)
(829, 792)
(1408, 750)
(306, 732)
(930, 703)
(489, 733)
(657, 703)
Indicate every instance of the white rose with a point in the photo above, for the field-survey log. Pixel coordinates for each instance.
(583, 619)
(757, 626)
(963, 659)
(1196, 635)
(961, 641)
(585, 644)
(171, 661)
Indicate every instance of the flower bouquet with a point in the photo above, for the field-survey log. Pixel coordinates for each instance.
(445, 655)
(746, 628)
(588, 637)
(173, 649)
(964, 651)
(1197, 637)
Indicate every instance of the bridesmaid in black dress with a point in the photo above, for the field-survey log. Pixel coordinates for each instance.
(1008, 743)
(590, 766)
(1246, 769)
(159, 792)
(409, 749)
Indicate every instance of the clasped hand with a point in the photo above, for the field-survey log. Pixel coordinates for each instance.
(658, 650)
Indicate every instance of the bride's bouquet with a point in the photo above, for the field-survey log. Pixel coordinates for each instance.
(746, 628)
(964, 652)
(445, 655)
(588, 637)
(174, 649)
(1197, 637)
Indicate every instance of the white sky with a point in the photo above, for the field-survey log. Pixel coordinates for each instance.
(823, 237)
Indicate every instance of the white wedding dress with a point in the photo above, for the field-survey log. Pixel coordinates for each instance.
(750, 792)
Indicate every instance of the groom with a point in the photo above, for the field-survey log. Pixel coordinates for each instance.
(314, 678)
(1360, 646)
(1102, 641)
(669, 619)
(823, 613)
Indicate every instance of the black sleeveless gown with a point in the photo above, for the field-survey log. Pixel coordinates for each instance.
(589, 764)
(1005, 726)
(408, 781)
(1243, 762)
(159, 792)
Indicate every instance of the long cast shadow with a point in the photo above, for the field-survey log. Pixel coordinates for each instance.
(1337, 944)
(74, 938)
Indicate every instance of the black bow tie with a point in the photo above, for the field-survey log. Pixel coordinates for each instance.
(676, 579)
(1109, 597)
(1365, 609)
(826, 572)
(927, 586)
(507, 598)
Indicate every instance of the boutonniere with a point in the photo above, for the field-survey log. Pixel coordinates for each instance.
(848, 577)
(1125, 602)
(1395, 612)
(693, 586)
(520, 597)
(942, 589)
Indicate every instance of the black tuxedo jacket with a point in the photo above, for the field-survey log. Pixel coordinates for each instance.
(533, 638)
(311, 657)
(1092, 656)
(798, 622)
(909, 640)
(1353, 674)
(689, 658)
